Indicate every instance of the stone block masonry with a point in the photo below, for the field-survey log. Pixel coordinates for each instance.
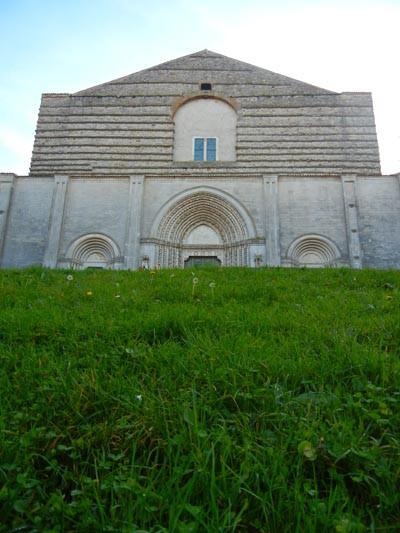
(285, 174)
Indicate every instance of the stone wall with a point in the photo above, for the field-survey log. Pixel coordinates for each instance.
(283, 126)
(312, 206)
(113, 183)
(378, 203)
(26, 213)
(41, 217)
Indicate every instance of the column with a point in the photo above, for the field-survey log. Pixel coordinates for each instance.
(6, 189)
(133, 224)
(351, 219)
(273, 255)
(55, 221)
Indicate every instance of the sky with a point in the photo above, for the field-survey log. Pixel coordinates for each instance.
(63, 46)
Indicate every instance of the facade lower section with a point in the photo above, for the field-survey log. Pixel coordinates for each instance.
(145, 221)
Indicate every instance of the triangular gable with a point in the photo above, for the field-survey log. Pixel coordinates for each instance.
(206, 60)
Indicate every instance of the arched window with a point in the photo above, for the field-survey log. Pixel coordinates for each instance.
(205, 130)
(313, 251)
(93, 251)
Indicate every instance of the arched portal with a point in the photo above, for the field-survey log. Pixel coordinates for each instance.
(203, 224)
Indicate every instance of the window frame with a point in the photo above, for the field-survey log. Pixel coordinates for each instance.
(205, 145)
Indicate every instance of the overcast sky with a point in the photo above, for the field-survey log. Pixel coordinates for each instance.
(69, 45)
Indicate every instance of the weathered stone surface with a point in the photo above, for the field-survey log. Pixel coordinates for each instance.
(141, 105)
(113, 182)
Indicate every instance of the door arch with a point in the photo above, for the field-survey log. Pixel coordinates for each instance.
(205, 223)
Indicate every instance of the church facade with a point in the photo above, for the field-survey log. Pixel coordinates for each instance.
(203, 159)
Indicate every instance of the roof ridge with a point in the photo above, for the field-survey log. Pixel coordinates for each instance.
(205, 53)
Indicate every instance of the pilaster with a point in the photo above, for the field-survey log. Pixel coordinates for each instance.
(132, 240)
(270, 185)
(6, 190)
(351, 220)
(56, 221)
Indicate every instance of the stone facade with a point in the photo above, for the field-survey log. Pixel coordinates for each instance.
(286, 174)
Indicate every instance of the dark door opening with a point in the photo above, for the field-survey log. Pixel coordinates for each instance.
(202, 260)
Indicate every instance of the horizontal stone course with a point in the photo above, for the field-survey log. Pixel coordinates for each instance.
(229, 88)
(261, 98)
(280, 119)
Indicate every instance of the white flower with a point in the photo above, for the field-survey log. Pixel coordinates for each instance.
(139, 397)
(195, 281)
(70, 277)
(118, 296)
(212, 285)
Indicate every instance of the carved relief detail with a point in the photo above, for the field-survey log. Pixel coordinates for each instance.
(199, 211)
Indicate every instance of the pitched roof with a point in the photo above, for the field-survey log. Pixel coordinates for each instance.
(206, 62)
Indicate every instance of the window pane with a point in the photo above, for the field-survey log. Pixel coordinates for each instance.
(199, 149)
(211, 149)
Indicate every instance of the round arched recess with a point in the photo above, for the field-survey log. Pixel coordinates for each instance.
(205, 131)
(93, 250)
(314, 251)
(201, 223)
(202, 234)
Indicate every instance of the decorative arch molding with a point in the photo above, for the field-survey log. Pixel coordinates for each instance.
(93, 250)
(313, 251)
(215, 191)
(201, 207)
(182, 100)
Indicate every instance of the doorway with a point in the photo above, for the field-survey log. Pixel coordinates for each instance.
(194, 261)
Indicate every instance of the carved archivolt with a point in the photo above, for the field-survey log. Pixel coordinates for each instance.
(93, 250)
(198, 209)
(313, 251)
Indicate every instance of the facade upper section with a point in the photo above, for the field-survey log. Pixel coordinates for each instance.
(205, 111)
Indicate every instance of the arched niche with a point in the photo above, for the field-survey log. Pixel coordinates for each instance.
(93, 250)
(202, 235)
(314, 251)
(205, 118)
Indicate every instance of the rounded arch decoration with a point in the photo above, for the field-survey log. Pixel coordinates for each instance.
(203, 120)
(182, 100)
(226, 230)
(93, 250)
(313, 251)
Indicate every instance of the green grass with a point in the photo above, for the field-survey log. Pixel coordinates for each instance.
(144, 402)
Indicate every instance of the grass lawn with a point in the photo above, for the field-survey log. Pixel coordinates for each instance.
(253, 400)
